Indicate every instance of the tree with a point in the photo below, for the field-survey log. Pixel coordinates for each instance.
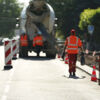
(9, 11)
(68, 13)
(91, 17)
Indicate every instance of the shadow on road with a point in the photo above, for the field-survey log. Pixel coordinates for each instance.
(75, 77)
(37, 58)
(7, 69)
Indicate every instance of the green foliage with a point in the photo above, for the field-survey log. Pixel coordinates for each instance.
(91, 17)
(59, 34)
(68, 13)
(9, 11)
(86, 18)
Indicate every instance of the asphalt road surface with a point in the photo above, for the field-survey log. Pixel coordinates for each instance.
(35, 78)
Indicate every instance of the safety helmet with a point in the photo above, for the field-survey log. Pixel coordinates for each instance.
(23, 33)
(39, 33)
(73, 31)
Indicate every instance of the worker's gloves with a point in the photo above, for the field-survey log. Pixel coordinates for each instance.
(86, 51)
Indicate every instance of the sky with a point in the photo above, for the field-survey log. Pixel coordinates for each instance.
(24, 1)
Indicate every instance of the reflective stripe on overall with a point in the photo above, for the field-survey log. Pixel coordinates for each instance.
(37, 41)
(72, 47)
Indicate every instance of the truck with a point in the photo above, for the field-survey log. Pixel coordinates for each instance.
(38, 16)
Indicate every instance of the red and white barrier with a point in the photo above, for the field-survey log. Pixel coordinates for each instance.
(8, 54)
(14, 48)
(66, 59)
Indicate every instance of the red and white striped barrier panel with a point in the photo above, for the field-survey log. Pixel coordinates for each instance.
(8, 54)
(14, 48)
(66, 59)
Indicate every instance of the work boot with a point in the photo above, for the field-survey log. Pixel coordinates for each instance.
(74, 74)
(70, 74)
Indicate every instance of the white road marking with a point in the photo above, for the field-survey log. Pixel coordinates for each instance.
(7, 86)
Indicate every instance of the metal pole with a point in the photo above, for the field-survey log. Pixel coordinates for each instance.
(99, 71)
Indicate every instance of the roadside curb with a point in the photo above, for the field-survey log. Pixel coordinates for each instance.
(88, 70)
(84, 71)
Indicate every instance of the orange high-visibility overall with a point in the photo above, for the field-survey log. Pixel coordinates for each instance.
(72, 43)
(23, 40)
(38, 41)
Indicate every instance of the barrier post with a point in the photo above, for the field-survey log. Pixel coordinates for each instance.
(8, 55)
(98, 60)
(17, 46)
(14, 49)
(99, 71)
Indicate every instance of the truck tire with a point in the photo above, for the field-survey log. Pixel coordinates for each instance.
(48, 55)
(23, 52)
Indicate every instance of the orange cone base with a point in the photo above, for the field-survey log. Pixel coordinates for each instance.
(58, 56)
(7, 67)
(94, 79)
(66, 62)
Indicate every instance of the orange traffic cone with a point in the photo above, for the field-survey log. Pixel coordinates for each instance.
(93, 77)
(66, 59)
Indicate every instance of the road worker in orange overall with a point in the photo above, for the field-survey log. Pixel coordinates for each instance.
(24, 40)
(38, 43)
(72, 44)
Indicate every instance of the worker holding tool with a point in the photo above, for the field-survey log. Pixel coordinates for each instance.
(72, 45)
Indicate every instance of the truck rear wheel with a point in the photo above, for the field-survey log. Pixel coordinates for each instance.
(48, 55)
(23, 52)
